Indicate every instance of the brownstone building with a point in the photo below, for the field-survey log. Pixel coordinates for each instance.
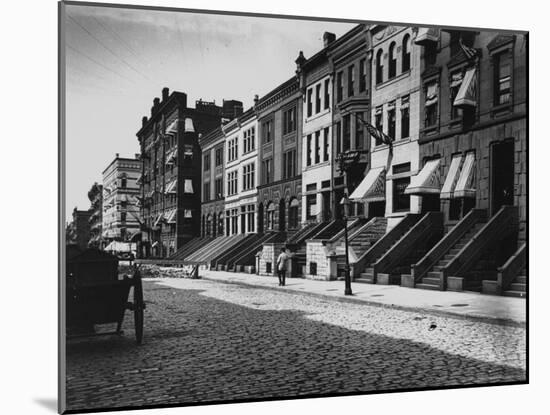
(279, 153)
(473, 122)
(171, 170)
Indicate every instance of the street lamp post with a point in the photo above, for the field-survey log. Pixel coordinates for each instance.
(346, 202)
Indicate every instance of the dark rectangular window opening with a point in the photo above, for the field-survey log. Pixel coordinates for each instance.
(313, 268)
(401, 201)
(268, 268)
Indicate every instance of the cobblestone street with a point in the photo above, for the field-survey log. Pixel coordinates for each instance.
(209, 341)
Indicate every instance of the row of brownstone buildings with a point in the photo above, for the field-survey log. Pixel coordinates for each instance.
(425, 129)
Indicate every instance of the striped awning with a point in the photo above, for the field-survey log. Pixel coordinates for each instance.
(467, 94)
(158, 220)
(171, 157)
(372, 188)
(171, 187)
(171, 216)
(452, 177)
(465, 186)
(427, 180)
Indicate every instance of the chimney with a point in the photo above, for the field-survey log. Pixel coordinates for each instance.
(143, 121)
(328, 38)
(256, 99)
(300, 60)
(189, 128)
(116, 155)
(165, 93)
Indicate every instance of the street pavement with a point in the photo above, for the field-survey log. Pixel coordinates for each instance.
(209, 341)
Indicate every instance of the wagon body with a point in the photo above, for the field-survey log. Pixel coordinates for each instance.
(96, 295)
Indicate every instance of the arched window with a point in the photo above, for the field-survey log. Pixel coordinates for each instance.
(392, 64)
(270, 219)
(208, 225)
(293, 213)
(379, 67)
(406, 54)
(282, 212)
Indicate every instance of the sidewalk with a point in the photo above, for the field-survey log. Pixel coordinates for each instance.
(494, 309)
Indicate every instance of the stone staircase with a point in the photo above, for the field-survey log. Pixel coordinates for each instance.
(518, 288)
(432, 280)
(367, 276)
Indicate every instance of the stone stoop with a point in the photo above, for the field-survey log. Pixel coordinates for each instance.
(366, 277)
(518, 288)
(388, 279)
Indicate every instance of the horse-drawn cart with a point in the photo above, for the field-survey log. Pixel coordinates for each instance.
(96, 295)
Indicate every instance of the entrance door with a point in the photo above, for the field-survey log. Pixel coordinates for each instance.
(377, 209)
(502, 175)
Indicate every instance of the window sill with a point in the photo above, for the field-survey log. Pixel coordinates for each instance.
(317, 115)
(392, 80)
(498, 110)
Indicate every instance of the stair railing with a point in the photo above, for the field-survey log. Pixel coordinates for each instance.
(501, 225)
(421, 268)
(380, 246)
(428, 227)
(511, 268)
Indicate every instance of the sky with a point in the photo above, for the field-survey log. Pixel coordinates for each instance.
(118, 60)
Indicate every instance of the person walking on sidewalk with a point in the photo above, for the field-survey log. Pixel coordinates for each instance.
(281, 266)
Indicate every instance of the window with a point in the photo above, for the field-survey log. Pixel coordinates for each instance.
(346, 136)
(232, 183)
(188, 152)
(267, 131)
(293, 213)
(309, 102)
(391, 120)
(317, 147)
(289, 164)
(308, 150)
(405, 117)
(219, 160)
(326, 144)
(232, 149)
(401, 201)
(431, 105)
(327, 93)
(123, 182)
(188, 186)
(266, 170)
(218, 183)
(207, 162)
(270, 219)
(392, 64)
(339, 86)
(503, 78)
(250, 210)
(351, 80)
(379, 67)
(289, 120)
(359, 132)
(317, 98)
(311, 207)
(249, 140)
(456, 81)
(123, 217)
(206, 192)
(339, 137)
(248, 176)
(406, 54)
(362, 75)
(378, 123)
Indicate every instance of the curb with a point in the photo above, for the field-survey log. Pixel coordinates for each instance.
(444, 313)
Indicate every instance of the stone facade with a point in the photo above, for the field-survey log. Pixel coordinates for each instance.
(95, 195)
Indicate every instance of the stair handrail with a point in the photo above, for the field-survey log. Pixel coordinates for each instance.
(382, 244)
(421, 268)
(431, 224)
(509, 271)
(340, 234)
(503, 223)
(252, 249)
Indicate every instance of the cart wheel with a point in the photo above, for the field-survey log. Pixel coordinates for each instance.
(138, 307)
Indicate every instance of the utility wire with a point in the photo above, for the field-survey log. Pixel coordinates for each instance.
(107, 48)
(99, 63)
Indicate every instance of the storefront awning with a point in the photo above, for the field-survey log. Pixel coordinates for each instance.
(372, 188)
(427, 180)
(465, 186)
(466, 96)
(452, 176)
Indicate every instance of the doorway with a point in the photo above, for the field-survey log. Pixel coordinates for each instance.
(327, 212)
(377, 209)
(502, 175)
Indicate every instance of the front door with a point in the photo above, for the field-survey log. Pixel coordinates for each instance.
(502, 175)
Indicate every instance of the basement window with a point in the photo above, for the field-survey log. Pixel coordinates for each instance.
(313, 268)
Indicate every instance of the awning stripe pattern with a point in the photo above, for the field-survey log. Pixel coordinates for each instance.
(372, 188)
(467, 94)
(465, 186)
(452, 177)
(427, 180)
